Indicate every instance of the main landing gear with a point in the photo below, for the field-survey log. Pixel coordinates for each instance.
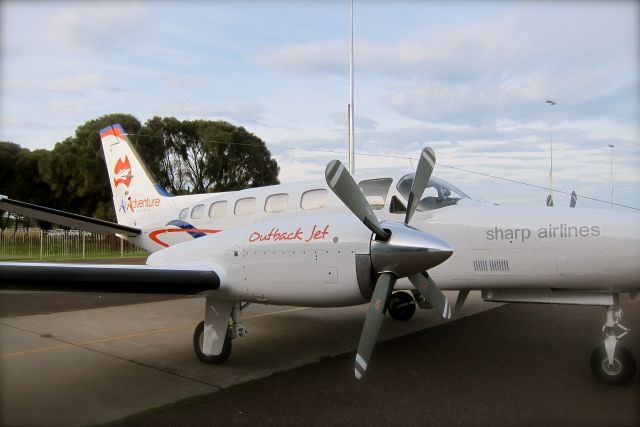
(402, 306)
(612, 363)
(212, 337)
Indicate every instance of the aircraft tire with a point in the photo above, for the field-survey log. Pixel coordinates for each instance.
(214, 359)
(621, 371)
(401, 306)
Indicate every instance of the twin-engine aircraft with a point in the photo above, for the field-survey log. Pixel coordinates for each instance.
(395, 241)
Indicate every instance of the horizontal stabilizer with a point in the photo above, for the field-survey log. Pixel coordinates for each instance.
(18, 276)
(66, 219)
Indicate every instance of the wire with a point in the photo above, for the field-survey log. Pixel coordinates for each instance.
(410, 159)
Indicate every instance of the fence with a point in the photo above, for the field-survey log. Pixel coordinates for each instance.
(40, 244)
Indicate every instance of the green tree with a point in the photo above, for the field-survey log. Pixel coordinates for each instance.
(8, 156)
(206, 156)
(20, 179)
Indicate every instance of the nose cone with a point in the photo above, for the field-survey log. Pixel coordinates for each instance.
(408, 251)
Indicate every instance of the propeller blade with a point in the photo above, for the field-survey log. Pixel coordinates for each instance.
(550, 200)
(574, 199)
(423, 173)
(428, 288)
(342, 184)
(373, 321)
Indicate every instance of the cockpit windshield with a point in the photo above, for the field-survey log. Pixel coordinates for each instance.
(438, 193)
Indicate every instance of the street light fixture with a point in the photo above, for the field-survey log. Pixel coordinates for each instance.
(550, 196)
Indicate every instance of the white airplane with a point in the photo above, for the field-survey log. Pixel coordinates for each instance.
(346, 242)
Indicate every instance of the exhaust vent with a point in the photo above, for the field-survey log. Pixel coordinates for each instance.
(491, 265)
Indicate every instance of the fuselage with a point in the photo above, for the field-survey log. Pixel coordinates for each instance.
(268, 239)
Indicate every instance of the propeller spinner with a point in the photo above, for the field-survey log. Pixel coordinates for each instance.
(398, 250)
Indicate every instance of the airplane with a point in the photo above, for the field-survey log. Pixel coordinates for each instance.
(395, 241)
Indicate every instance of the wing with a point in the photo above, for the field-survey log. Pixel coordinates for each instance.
(66, 219)
(106, 278)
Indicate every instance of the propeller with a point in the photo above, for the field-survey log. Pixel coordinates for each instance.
(423, 173)
(342, 184)
(373, 321)
(397, 251)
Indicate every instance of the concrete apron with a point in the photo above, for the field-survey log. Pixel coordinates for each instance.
(93, 366)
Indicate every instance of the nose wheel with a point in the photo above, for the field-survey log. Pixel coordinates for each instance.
(613, 363)
(620, 371)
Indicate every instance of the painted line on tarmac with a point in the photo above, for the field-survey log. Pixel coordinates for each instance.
(129, 336)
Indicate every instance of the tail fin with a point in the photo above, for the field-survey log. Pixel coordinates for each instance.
(136, 195)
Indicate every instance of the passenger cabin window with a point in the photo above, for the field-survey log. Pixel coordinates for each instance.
(218, 209)
(244, 207)
(197, 211)
(375, 191)
(183, 213)
(276, 203)
(438, 193)
(314, 199)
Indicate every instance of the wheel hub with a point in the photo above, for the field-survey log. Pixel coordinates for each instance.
(612, 369)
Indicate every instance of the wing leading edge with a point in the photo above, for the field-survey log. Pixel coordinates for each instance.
(66, 219)
(20, 276)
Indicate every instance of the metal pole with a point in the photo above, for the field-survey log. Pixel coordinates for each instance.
(611, 167)
(352, 160)
(551, 104)
(41, 234)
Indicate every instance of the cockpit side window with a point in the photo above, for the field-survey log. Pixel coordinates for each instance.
(375, 191)
(438, 193)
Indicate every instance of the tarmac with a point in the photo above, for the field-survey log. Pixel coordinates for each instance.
(133, 364)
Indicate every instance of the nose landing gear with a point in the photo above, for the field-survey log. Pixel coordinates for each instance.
(612, 363)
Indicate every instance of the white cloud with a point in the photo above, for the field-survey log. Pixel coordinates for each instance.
(76, 83)
(96, 27)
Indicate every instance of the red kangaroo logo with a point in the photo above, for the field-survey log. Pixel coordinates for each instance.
(122, 172)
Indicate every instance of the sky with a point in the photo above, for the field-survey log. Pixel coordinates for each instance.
(469, 79)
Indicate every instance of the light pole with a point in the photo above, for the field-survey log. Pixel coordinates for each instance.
(611, 165)
(550, 197)
(352, 157)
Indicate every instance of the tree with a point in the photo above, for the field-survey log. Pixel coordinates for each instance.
(204, 156)
(20, 179)
(8, 156)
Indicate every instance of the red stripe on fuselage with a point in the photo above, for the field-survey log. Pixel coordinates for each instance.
(154, 234)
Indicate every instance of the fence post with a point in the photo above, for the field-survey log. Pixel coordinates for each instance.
(82, 232)
(41, 242)
(121, 248)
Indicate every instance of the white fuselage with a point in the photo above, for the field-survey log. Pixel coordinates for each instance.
(310, 246)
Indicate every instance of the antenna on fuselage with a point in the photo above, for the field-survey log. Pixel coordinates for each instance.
(352, 160)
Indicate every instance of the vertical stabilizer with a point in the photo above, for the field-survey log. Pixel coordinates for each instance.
(136, 195)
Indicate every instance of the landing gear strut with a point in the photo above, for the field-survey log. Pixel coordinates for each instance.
(612, 363)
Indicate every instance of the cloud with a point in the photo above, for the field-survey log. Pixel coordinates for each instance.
(76, 83)
(97, 27)
(501, 67)
(245, 113)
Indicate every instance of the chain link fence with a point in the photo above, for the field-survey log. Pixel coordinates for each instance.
(34, 244)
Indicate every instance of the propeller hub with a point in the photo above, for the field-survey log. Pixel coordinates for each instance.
(408, 251)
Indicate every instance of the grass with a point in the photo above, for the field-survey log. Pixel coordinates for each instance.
(37, 245)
